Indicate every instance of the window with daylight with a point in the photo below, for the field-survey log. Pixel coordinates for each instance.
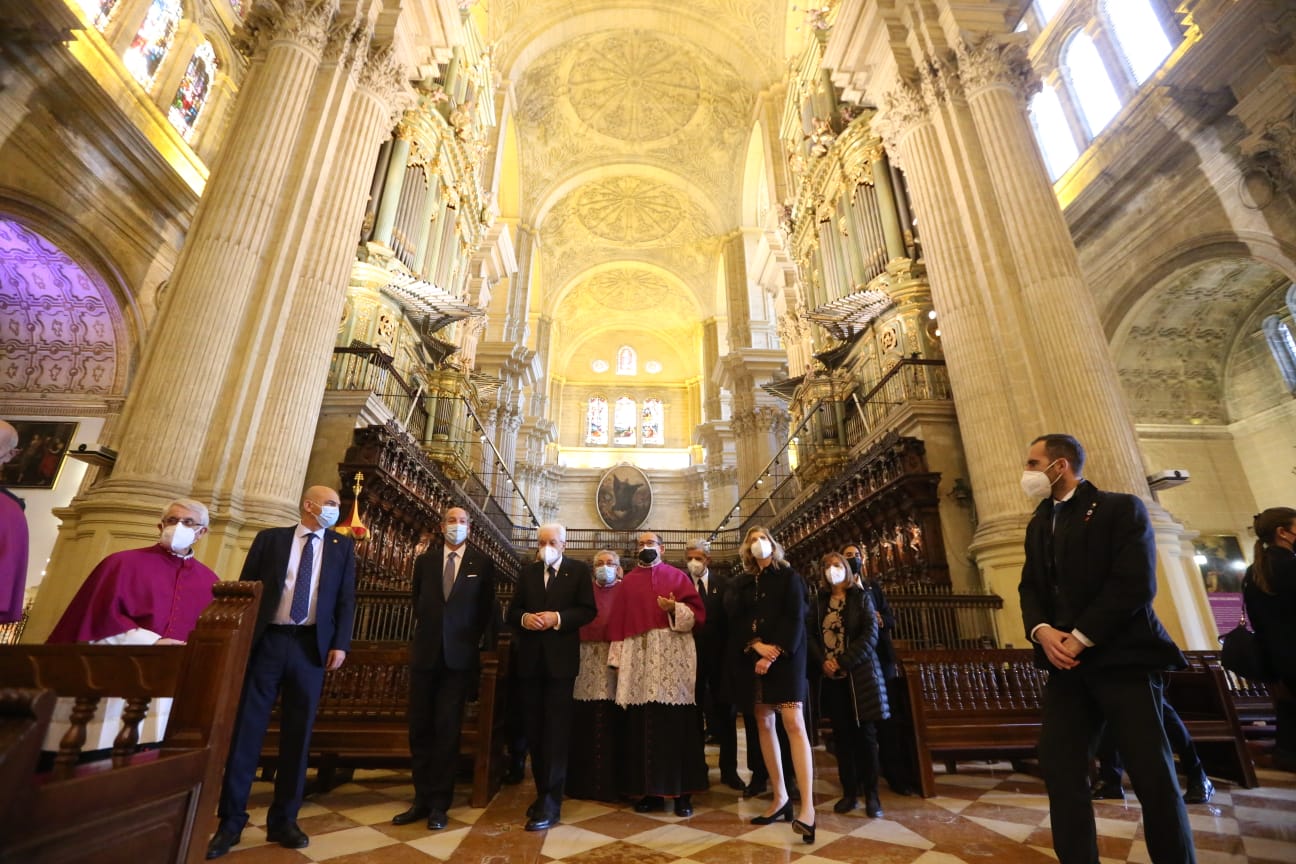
(1140, 35)
(1093, 88)
(99, 12)
(650, 431)
(1052, 132)
(194, 88)
(596, 421)
(627, 362)
(1047, 9)
(152, 41)
(1283, 348)
(624, 419)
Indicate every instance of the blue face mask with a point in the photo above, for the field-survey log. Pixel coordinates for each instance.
(456, 534)
(328, 516)
(605, 574)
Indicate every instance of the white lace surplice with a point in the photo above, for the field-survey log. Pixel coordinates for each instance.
(596, 681)
(658, 666)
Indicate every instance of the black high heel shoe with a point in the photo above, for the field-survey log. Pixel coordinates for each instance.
(783, 814)
(807, 832)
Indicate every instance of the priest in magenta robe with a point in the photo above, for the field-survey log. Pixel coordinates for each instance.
(149, 596)
(13, 537)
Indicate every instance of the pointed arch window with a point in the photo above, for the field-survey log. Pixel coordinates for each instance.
(625, 417)
(1093, 88)
(651, 426)
(627, 361)
(1283, 347)
(99, 12)
(153, 41)
(596, 421)
(1052, 132)
(195, 87)
(1139, 34)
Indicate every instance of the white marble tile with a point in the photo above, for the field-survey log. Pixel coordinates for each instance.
(375, 814)
(347, 842)
(890, 831)
(564, 841)
(679, 840)
(440, 844)
(1013, 830)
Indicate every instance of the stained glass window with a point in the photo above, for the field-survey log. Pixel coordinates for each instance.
(651, 428)
(99, 12)
(194, 88)
(1093, 89)
(1052, 132)
(627, 363)
(1139, 34)
(596, 421)
(153, 40)
(624, 419)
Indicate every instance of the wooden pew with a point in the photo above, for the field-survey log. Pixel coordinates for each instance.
(363, 721)
(1252, 700)
(138, 807)
(985, 704)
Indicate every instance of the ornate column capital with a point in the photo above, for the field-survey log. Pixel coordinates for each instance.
(305, 22)
(903, 109)
(348, 42)
(990, 61)
(383, 76)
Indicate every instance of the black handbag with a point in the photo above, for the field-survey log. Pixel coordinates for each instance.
(1242, 654)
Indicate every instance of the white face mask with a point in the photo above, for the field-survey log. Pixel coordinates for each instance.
(328, 516)
(1036, 484)
(762, 548)
(549, 555)
(605, 574)
(695, 567)
(179, 538)
(456, 533)
(836, 575)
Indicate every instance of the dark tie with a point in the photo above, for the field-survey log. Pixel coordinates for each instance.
(701, 586)
(302, 588)
(447, 576)
(1057, 508)
(550, 573)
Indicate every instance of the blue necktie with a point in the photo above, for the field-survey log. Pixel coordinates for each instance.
(1057, 508)
(302, 588)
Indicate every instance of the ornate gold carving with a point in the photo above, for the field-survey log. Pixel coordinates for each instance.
(991, 62)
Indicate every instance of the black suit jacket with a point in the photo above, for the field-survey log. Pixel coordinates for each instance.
(451, 628)
(267, 563)
(1095, 571)
(552, 653)
(710, 637)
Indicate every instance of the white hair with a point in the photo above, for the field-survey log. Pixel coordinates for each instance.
(191, 505)
(557, 528)
(700, 545)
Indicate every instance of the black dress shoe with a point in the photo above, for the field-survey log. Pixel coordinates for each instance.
(807, 832)
(872, 806)
(544, 823)
(783, 814)
(650, 804)
(1200, 789)
(221, 842)
(733, 781)
(415, 813)
(288, 836)
(684, 806)
(846, 804)
(755, 789)
(1106, 791)
(437, 820)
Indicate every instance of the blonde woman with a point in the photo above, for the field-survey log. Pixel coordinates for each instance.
(776, 663)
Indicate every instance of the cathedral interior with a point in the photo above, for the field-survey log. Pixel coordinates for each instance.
(685, 266)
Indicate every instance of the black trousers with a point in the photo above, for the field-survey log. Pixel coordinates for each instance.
(436, 704)
(548, 706)
(717, 717)
(1077, 703)
(1111, 766)
(855, 743)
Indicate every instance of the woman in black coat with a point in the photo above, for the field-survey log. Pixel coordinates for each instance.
(1269, 592)
(843, 635)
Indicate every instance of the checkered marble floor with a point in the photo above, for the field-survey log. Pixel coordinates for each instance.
(983, 813)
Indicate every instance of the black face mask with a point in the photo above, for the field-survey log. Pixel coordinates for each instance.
(647, 555)
(854, 565)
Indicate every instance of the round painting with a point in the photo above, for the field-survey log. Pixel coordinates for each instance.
(624, 497)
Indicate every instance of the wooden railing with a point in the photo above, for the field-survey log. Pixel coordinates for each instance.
(364, 367)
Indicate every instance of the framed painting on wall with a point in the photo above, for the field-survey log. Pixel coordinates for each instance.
(1219, 557)
(42, 450)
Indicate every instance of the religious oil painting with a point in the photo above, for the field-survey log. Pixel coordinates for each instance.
(624, 497)
(1219, 556)
(42, 449)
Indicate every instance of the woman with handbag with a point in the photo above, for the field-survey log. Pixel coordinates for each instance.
(842, 635)
(1269, 593)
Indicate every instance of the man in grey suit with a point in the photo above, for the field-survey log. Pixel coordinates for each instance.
(554, 599)
(454, 593)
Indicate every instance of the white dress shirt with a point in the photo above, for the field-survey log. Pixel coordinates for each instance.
(283, 614)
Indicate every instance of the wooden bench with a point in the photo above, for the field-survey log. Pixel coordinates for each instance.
(986, 704)
(363, 719)
(1252, 700)
(136, 807)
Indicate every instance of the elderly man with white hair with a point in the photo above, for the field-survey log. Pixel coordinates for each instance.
(13, 537)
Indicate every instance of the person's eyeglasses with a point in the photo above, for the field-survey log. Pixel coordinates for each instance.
(185, 521)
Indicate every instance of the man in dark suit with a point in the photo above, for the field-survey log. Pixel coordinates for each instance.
(303, 627)
(1086, 595)
(714, 705)
(554, 599)
(454, 593)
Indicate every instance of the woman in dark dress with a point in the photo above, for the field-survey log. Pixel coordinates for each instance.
(1269, 592)
(843, 634)
(776, 663)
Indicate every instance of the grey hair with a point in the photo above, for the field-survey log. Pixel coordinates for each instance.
(698, 544)
(557, 527)
(188, 504)
(615, 556)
